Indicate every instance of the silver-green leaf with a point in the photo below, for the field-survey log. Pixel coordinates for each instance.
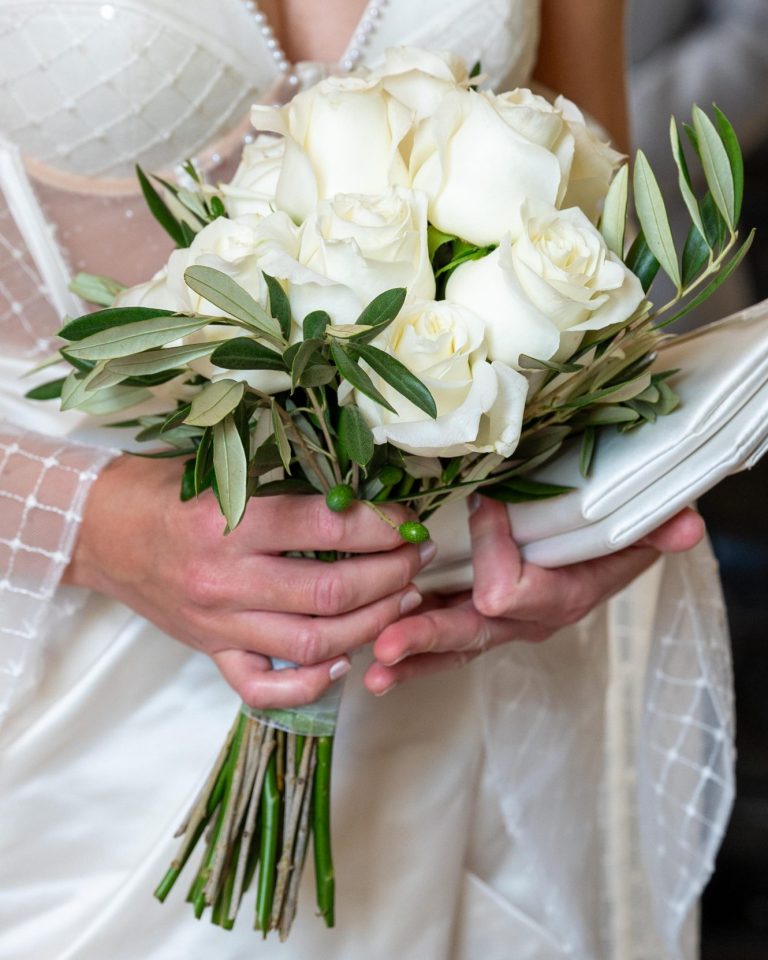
(156, 361)
(281, 439)
(226, 294)
(683, 178)
(717, 167)
(231, 468)
(614, 220)
(653, 218)
(214, 402)
(135, 337)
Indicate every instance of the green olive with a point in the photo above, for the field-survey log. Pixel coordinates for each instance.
(340, 498)
(413, 531)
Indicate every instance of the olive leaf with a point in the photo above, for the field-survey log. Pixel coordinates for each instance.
(397, 375)
(281, 438)
(383, 308)
(244, 353)
(91, 323)
(95, 289)
(652, 214)
(684, 178)
(214, 402)
(614, 219)
(231, 470)
(123, 341)
(46, 391)
(161, 212)
(225, 293)
(359, 379)
(355, 435)
(279, 305)
(157, 361)
(717, 167)
(735, 158)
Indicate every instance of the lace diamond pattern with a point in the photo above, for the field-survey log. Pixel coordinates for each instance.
(43, 486)
(93, 96)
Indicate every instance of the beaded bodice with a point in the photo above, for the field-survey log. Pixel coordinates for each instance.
(91, 88)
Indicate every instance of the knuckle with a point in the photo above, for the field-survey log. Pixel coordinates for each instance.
(574, 609)
(329, 594)
(311, 645)
(492, 599)
(201, 584)
(330, 527)
(251, 691)
(481, 640)
(431, 635)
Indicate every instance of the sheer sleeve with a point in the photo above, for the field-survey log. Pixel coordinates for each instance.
(44, 482)
(44, 475)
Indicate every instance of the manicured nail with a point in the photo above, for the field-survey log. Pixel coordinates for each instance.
(339, 669)
(392, 686)
(427, 551)
(473, 502)
(410, 601)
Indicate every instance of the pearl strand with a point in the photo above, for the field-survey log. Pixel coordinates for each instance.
(351, 57)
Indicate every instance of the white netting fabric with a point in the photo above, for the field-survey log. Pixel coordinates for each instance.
(43, 486)
(685, 749)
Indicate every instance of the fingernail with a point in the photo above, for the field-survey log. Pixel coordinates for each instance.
(473, 502)
(410, 601)
(386, 689)
(339, 669)
(427, 551)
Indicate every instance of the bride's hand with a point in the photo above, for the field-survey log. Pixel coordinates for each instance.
(235, 597)
(512, 600)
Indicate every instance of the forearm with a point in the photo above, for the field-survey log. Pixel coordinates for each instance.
(581, 55)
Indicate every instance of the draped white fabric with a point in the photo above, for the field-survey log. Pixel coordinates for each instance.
(563, 800)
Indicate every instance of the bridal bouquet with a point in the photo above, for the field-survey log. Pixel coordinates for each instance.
(411, 289)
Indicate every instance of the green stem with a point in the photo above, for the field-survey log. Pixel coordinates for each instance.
(324, 877)
(270, 826)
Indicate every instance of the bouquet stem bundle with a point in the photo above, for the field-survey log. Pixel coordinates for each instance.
(266, 794)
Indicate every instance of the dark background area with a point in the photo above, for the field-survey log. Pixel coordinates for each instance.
(735, 906)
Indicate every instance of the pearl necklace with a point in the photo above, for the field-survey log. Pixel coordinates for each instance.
(351, 57)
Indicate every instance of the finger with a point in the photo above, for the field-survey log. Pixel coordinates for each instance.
(281, 524)
(506, 586)
(304, 640)
(680, 533)
(263, 688)
(459, 629)
(380, 679)
(298, 585)
(495, 556)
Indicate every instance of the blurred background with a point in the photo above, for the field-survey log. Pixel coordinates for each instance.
(704, 51)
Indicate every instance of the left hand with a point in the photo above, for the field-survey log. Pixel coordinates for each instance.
(512, 599)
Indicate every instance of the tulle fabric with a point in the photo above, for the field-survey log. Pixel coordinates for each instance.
(563, 800)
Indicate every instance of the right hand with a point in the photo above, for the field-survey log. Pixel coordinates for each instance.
(235, 597)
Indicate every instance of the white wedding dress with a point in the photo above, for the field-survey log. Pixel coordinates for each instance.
(558, 801)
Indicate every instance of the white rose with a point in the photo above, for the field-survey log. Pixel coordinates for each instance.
(342, 136)
(477, 168)
(225, 245)
(557, 276)
(279, 255)
(594, 163)
(252, 189)
(152, 293)
(479, 404)
(370, 244)
(420, 79)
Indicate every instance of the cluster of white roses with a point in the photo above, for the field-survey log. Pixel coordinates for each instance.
(334, 199)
